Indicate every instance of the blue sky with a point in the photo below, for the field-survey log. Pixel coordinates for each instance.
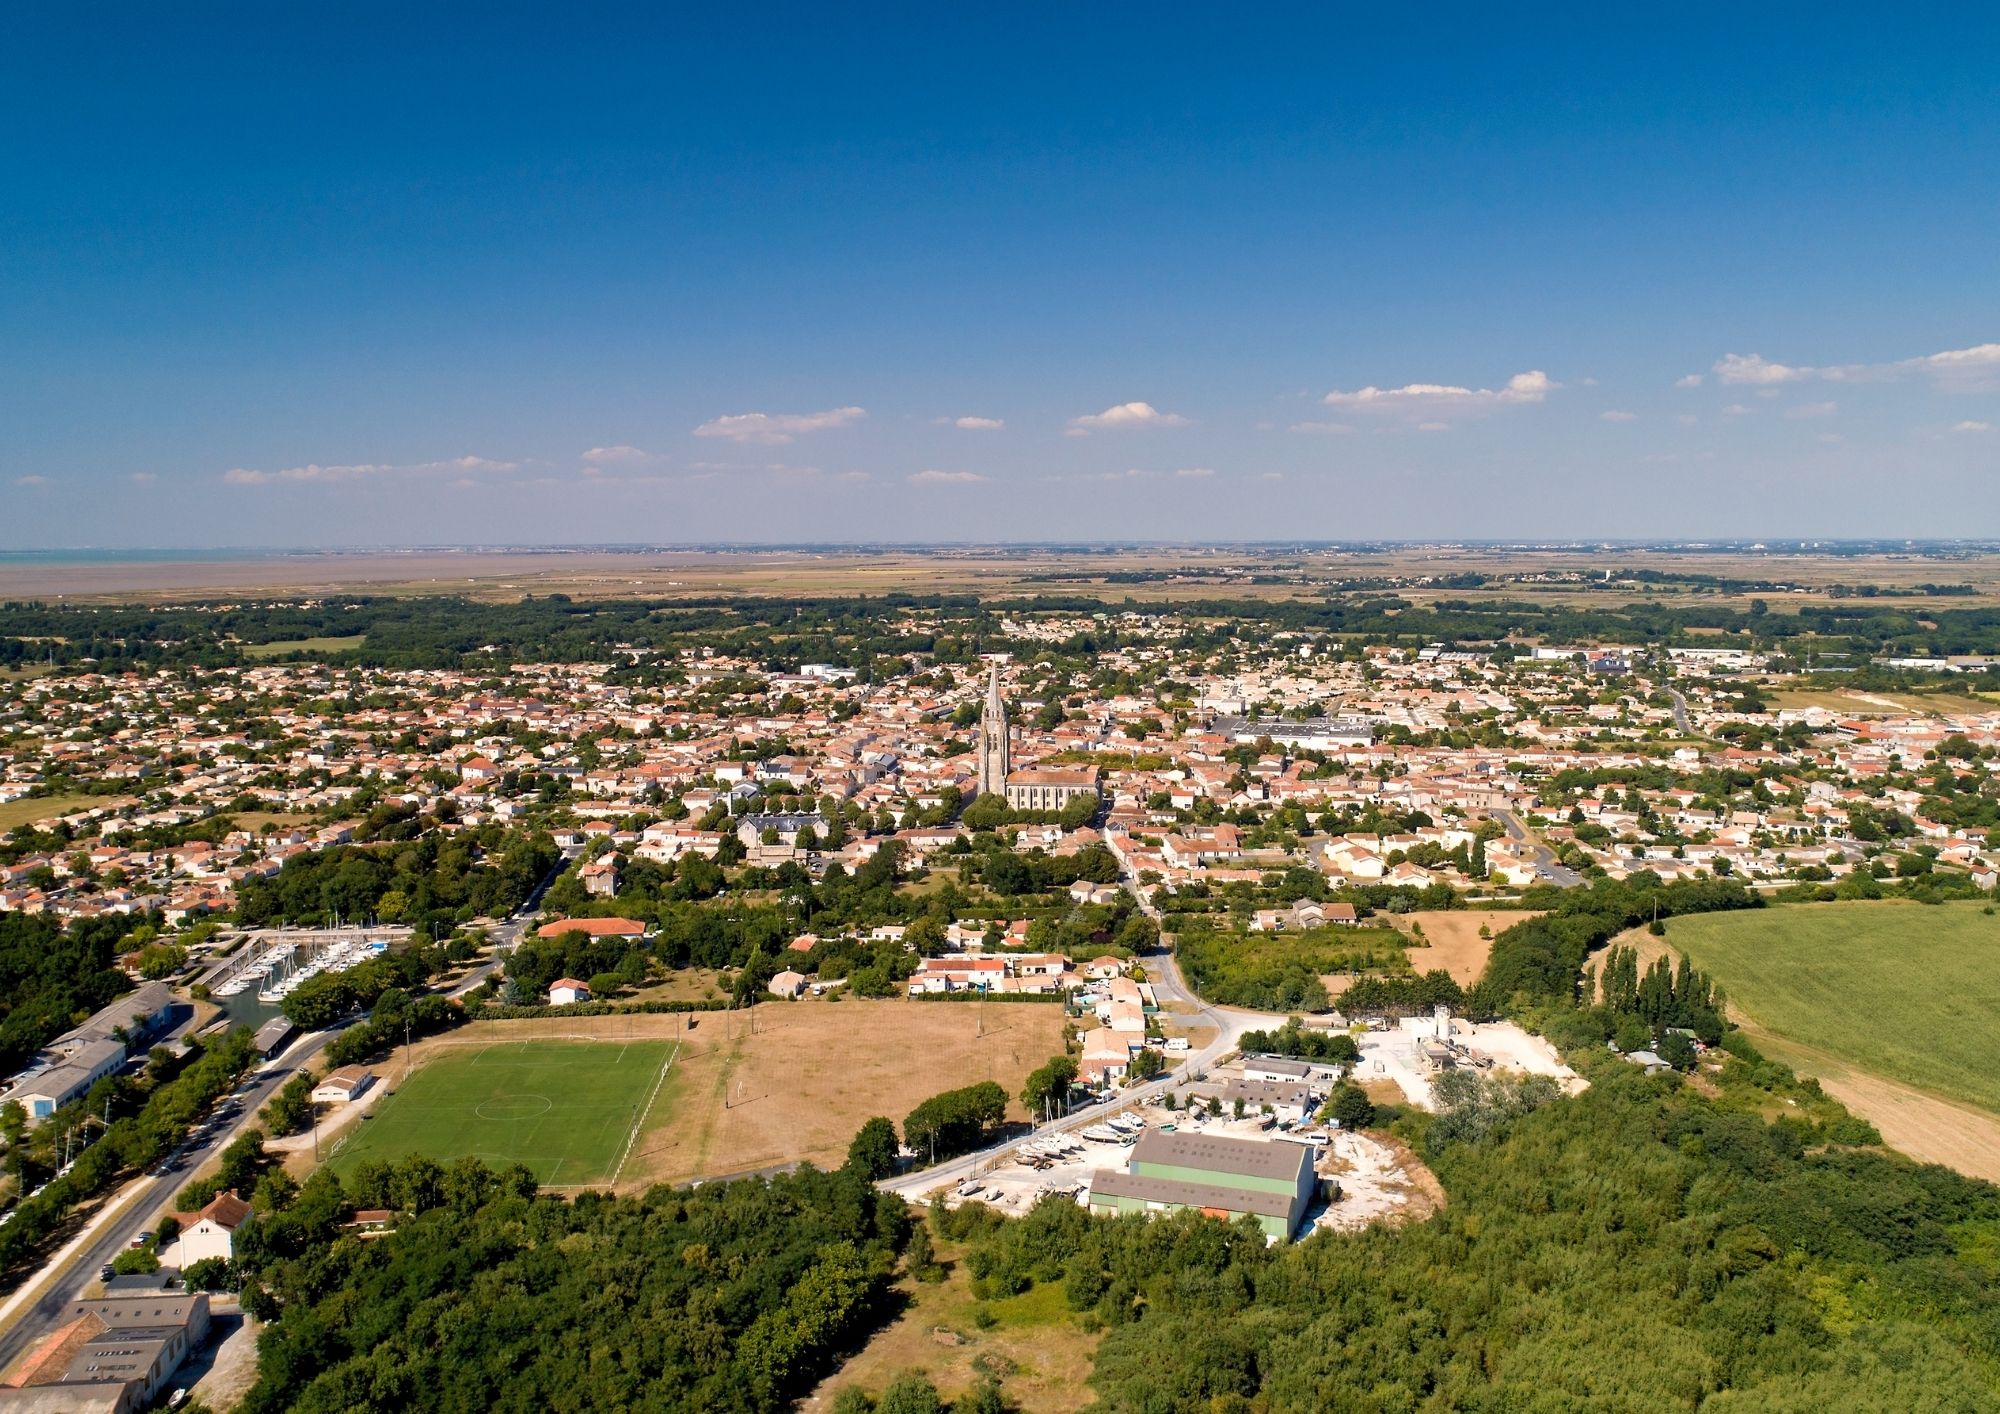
(484, 274)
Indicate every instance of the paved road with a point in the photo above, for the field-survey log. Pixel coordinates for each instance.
(1546, 863)
(148, 1194)
(1168, 986)
(1680, 712)
(505, 936)
(80, 1268)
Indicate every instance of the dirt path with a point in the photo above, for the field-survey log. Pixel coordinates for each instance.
(1927, 1127)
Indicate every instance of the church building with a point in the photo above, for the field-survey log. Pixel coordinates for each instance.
(1045, 788)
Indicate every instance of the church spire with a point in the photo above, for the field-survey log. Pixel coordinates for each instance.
(993, 743)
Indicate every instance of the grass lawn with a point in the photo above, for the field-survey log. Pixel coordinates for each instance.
(1898, 989)
(47, 807)
(566, 1109)
(303, 645)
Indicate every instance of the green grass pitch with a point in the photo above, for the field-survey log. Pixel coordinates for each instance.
(1904, 991)
(563, 1108)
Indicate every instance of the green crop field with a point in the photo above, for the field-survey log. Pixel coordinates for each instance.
(47, 807)
(1901, 990)
(566, 1109)
(324, 646)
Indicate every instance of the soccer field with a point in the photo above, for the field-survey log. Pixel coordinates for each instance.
(1897, 989)
(566, 1109)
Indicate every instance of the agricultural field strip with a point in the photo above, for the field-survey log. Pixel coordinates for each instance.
(1900, 990)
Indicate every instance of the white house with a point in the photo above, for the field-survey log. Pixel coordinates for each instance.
(343, 1085)
(213, 1231)
(565, 991)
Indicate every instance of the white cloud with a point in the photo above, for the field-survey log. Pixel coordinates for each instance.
(620, 455)
(1273, 476)
(971, 424)
(144, 478)
(1805, 410)
(1692, 380)
(1616, 415)
(1755, 368)
(945, 478)
(1687, 419)
(1970, 426)
(1980, 363)
(1323, 427)
(31, 481)
(1737, 410)
(1437, 400)
(1124, 415)
(774, 429)
(360, 471)
(1193, 471)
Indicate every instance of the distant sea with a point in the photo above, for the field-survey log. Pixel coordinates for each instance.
(146, 556)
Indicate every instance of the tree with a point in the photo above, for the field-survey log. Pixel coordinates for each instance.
(1677, 1051)
(872, 1153)
(1147, 1064)
(1351, 1106)
(921, 1256)
(1046, 1090)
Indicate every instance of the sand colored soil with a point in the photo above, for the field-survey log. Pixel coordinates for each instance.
(1453, 938)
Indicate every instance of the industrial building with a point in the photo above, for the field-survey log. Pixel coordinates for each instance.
(1222, 1177)
(111, 1356)
(68, 1066)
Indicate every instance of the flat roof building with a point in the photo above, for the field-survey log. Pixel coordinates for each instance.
(1223, 1177)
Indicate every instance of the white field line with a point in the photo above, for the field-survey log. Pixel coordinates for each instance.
(640, 1123)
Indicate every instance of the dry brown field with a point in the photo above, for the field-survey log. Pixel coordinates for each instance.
(811, 1072)
(1453, 938)
(1210, 572)
(1859, 703)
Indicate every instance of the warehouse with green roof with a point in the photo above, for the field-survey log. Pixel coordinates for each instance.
(1271, 1181)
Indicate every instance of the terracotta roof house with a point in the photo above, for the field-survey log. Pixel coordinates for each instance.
(212, 1231)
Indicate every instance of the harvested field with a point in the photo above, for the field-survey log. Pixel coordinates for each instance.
(321, 646)
(800, 1085)
(47, 807)
(1453, 938)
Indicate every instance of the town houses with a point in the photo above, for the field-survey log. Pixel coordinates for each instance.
(1373, 768)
